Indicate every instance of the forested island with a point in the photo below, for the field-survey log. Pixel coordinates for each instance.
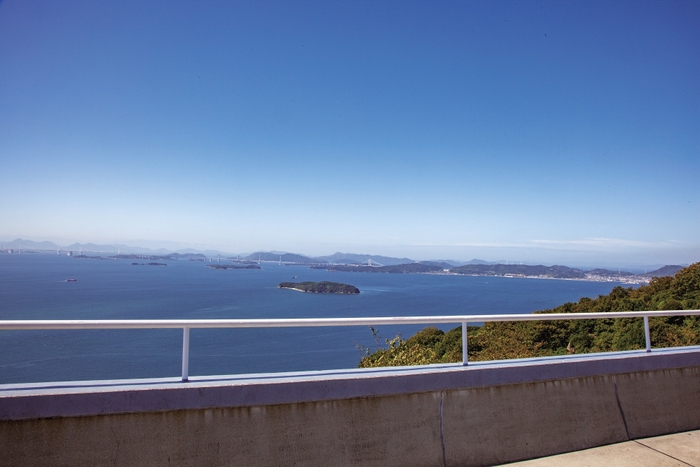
(146, 257)
(232, 266)
(320, 287)
(497, 341)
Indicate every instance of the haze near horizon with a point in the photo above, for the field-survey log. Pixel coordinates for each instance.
(553, 132)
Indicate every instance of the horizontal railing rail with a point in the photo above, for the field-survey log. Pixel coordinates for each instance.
(187, 324)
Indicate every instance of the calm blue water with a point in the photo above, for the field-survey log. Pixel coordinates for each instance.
(32, 286)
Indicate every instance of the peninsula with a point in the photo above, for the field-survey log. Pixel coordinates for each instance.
(320, 287)
(509, 270)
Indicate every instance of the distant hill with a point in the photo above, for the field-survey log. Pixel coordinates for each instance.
(342, 258)
(220, 266)
(478, 261)
(284, 257)
(190, 256)
(559, 272)
(472, 267)
(345, 261)
(29, 244)
(452, 263)
(92, 247)
(608, 273)
(440, 264)
(669, 270)
(409, 268)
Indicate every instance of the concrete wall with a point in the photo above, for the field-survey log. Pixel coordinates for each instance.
(450, 416)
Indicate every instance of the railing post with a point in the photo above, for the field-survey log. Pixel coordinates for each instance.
(465, 353)
(185, 353)
(647, 336)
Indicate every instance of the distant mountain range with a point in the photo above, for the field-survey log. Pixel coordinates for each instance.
(21, 244)
(355, 261)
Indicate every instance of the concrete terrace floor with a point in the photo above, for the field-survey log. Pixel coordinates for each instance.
(678, 449)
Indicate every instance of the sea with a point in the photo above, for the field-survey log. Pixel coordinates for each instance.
(35, 286)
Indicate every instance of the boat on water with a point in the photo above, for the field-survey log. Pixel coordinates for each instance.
(71, 280)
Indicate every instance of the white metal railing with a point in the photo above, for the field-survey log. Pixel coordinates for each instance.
(187, 324)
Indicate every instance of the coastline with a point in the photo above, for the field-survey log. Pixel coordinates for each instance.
(309, 291)
(292, 288)
(621, 280)
(323, 287)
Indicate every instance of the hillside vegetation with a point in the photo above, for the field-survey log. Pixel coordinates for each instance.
(496, 341)
(520, 269)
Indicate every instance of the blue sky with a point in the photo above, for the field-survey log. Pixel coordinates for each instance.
(529, 131)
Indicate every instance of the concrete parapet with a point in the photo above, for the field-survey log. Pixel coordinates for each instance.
(446, 415)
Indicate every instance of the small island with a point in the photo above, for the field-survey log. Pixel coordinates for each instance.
(320, 287)
(232, 266)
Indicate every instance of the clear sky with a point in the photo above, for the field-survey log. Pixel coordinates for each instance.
(537, 131)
